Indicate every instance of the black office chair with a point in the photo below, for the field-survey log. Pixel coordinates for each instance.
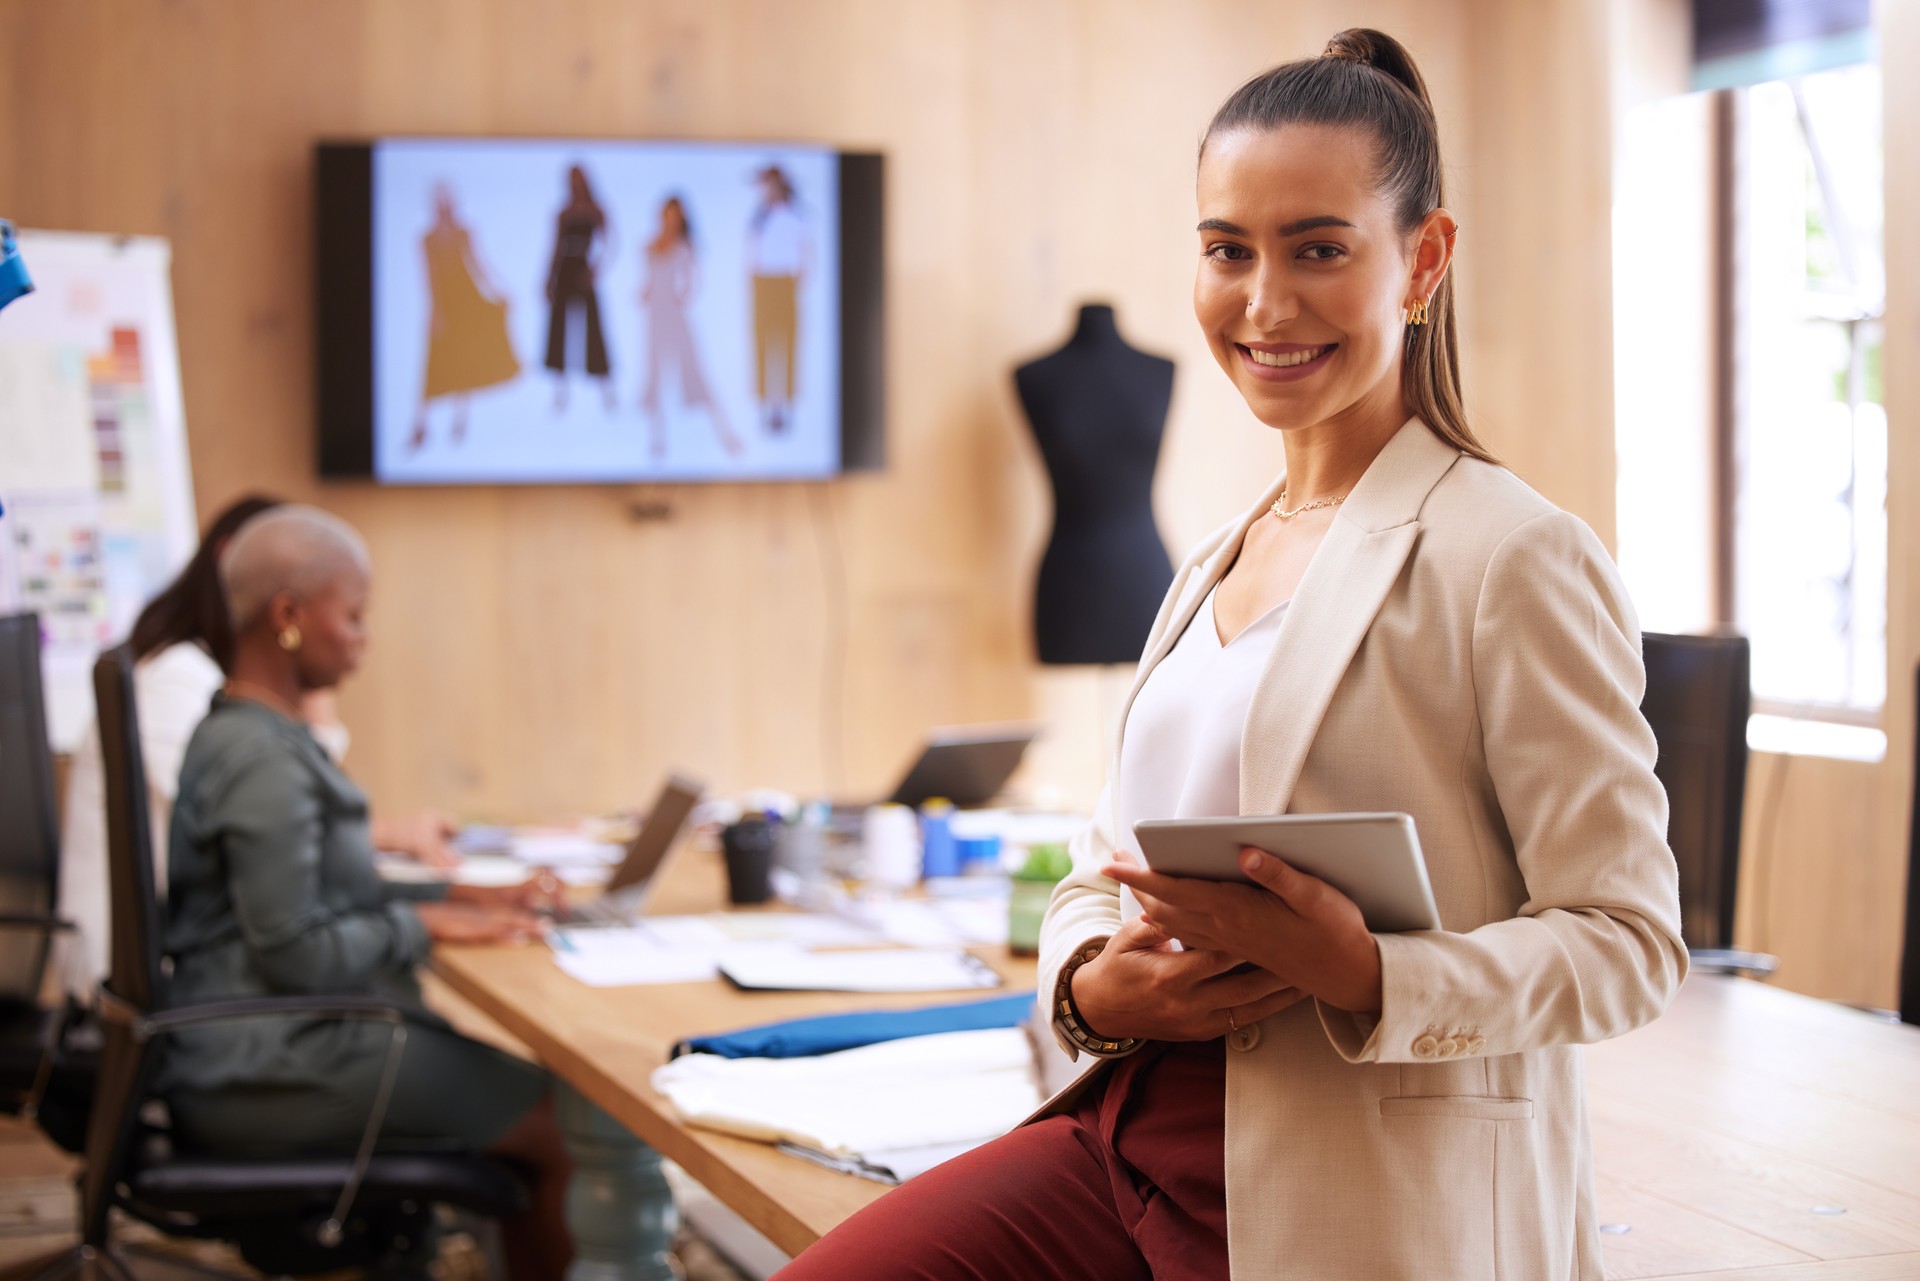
(32, 1032)
(1699, 695)
(1910, 958)
(294, 1215)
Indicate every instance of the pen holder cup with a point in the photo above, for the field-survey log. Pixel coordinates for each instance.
(748, 847)
(1026, 909)
(1032, 890)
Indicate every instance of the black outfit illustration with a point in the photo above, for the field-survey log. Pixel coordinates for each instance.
(1098, 408)
(570, 284)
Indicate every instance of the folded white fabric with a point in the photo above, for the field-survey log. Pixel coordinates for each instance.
(949, 1088)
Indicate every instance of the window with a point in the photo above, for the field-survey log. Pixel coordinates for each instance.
(1810, 430)
(1749, 294)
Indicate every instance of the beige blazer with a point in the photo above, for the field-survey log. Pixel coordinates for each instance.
(1463, 651)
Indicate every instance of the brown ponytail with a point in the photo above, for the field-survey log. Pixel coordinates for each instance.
(1367, 79)
(193, 608)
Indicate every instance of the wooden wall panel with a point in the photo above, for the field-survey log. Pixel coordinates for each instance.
(544, 651)
(1819, 887)
(1536, 211)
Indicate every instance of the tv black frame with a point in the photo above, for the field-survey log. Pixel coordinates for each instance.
(344, 320)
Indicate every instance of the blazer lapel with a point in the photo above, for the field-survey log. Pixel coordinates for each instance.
(1344, 587)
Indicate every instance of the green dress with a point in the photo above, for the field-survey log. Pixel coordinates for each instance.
(272, 891)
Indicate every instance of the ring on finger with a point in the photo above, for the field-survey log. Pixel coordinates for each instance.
(1232, 1023)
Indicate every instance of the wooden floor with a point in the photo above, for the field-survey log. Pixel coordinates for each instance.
(1752, 1135)
(37, 1224)
(1759, 1135)
(36, 1194)
(37, 1204)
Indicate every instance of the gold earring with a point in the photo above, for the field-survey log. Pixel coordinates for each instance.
(1417, 312)
(290, 638)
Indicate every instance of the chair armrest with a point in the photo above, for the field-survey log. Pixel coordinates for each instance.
(371, 1008)
(368, 1008)
(35, 921)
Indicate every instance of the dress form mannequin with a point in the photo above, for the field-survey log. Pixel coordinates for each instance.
(1098, 408)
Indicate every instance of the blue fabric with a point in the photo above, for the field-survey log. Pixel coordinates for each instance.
(799, 1038)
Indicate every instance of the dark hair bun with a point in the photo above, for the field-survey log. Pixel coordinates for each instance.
(1383, 53)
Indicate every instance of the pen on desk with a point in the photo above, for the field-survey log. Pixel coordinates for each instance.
(558, 940)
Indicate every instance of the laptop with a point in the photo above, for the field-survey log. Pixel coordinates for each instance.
(626, 892)
(967, 765)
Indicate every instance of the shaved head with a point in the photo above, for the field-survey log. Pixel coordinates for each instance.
(296, 549)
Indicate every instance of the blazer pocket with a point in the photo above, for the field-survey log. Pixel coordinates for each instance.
(1473, 1106)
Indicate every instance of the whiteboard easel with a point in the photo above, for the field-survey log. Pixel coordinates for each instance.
(94, 473)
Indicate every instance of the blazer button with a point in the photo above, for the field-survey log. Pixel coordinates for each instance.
(1476, 1045)
(1449, 1048)
(1426, 1047)
(1244, 1039)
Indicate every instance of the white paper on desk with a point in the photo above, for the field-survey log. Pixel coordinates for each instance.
(503, 869)
(725, 929)
(916, 1093)
(616, 957)
(564, 849)
(953, 922)
(401, 870)
(488, 870)
(478, 869)
(788, 969)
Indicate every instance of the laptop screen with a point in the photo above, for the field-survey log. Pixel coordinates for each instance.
(649, 847)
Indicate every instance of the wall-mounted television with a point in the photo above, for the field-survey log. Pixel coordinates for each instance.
(551, 311)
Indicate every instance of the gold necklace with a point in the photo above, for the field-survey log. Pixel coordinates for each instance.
(1315, 505)
(262, 695)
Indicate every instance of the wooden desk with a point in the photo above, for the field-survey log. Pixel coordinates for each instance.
(606, 1042)
(1717, 1129)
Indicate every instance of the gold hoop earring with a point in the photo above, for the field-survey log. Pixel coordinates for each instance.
(1417, 312)
(290, 638)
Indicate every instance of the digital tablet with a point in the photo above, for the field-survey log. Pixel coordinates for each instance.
(1374, 859)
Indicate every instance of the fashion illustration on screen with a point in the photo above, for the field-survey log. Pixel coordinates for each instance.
(580, 249)
(467, 344)
(779, 253)
(673, 278)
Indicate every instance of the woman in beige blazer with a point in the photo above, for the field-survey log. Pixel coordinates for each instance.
(1288, 1095)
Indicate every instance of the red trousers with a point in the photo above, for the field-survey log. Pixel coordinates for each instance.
(1130, 1184)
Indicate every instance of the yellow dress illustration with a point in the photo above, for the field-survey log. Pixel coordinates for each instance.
(467, 343)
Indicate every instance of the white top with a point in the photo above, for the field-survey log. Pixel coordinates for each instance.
(171, 692)
(780, 243)
(1180, 757)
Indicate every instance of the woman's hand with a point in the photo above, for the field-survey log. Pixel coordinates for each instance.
(1296, 926)
(421, 837)
(454, 922)
(541, 892)
(1140, 987)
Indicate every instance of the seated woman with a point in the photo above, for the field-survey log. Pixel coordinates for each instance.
(181, 642)
(273, 891)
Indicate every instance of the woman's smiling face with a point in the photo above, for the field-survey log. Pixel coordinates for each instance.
(1303, 274)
